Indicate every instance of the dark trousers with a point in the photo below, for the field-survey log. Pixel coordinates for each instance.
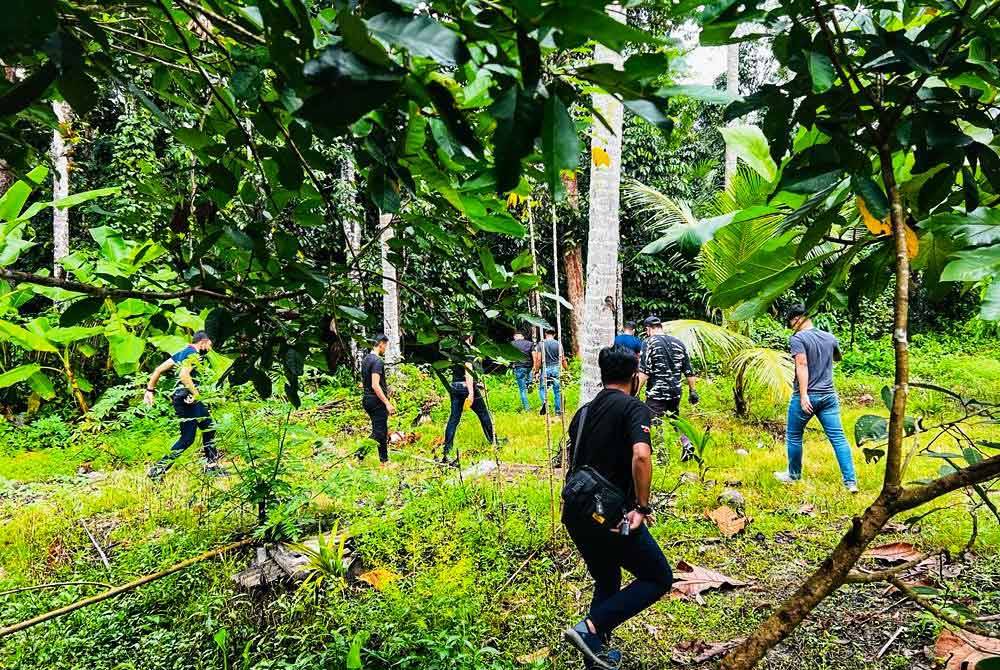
(459, 393)
(605, 554)
(193, 416)
(661, 408)
(379, 415)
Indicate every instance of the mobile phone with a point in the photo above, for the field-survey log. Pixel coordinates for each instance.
(624, 528)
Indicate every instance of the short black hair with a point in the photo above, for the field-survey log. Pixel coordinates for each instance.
(618, 365)
(381, 337)
(549, 330)
(519, 331)
(199, 336)
(630, 325)
(795, 311)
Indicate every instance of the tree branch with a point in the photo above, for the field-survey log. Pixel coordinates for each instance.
(885, 575)
(847, 72)
(926, 604)
(974, 474)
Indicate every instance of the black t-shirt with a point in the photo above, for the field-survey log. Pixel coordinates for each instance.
(458, 374)
(615, 422)
(525, 346)
(372, 364)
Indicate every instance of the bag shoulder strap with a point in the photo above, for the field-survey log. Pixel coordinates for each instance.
(578, 438)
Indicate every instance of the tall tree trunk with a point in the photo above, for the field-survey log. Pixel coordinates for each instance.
(603, 235)
(573, 265)
(733, 89)
(61, 152)
(352, 238)
(832, 573)
(390, 294)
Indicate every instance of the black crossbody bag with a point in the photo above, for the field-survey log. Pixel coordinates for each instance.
(587, 494)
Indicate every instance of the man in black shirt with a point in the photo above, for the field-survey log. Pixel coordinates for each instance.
(522, 368)
(375, 397)
(465, 394)
(615, 442)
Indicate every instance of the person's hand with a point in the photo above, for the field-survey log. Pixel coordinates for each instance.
(468, 401)
(807, 406)
(693, 397)
(191, 398)
(149, 398)
(390, 409)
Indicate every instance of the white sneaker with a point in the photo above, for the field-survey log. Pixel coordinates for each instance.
(852, 488)
(785, 478)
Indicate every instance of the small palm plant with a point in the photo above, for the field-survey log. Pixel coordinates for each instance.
(700, 441)
(326, 564)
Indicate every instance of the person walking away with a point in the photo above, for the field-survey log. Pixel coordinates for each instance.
(522, 368)
(191, 411)
(814, 352)
(609, 441)
(550, 361)
(663, 362)
(375, 396)
(464, 394)
(628, 339)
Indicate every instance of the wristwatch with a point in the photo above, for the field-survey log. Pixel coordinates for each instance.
(644, 510)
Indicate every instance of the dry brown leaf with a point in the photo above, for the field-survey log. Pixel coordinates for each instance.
(379, 578)
(728, 520)
(533, 657)
(807, 510)
(962, 650)
(895, 552)
(697, 651)
(690, 581)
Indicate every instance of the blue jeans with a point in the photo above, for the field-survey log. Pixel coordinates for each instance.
(550, 379)
(523, 377)
(826, 408)
(194, 417)
(605, 554)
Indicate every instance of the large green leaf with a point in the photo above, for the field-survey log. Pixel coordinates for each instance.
(585, 23)
(873, 196)
(978, 227)
(420, 35)
(870, 428)
(25, 338)
(756, 261)
(61, 335)
(750, 144)
(42, 385)
(709, 94)
(85, 196)
(707, 342)
(19, 374)
(733, 245)
(560, 145)
(12, 201)
(973, 264)
(126, 350)
(673, 219)
(990, 308)
(821, 71)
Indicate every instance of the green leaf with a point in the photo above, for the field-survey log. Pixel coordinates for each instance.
(420, 35)
(651, 112)
(973, 264)
(700, 92)
(42, 385)
(219, 325)
(750, 144)
(80, 310)
(870, 428)
(976, 228)
(19, 374)
(126, 350)
(353, 661)
(887, 397)
(61, 335)
(560, 145)
(972, 455)
(17, 194)
(24, 338)
(25, 92)
(354, 313)
(990, 308)
(822, 72)
(992, 663)
(584, 23)
(809, 179)
(874, 198)
(12, 249)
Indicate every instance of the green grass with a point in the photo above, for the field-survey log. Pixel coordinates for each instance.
(482, 578)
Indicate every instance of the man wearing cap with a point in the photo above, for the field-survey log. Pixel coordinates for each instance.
(663, 360)
(814, 352)
(375, 398)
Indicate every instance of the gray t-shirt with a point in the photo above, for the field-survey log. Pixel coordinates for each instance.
(552, 352)
(819, 347)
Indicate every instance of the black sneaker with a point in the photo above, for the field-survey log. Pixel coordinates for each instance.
(542, 411)
(612, 656)
(590, 645)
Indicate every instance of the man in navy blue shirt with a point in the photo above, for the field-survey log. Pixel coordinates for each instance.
(628, 339)
(192, 412)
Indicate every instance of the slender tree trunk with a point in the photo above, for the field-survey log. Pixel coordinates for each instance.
(620, 296)
(390, 294)
(573, 265)
(352, 237)
(833, 572)
(61, 153)
(733, 89)
(603, 235)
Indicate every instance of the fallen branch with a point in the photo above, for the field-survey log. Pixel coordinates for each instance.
(517, 572)
(100, 552)
(125, 588)
(888, 643)
(52, 585)
(884, 575)
(925, 603)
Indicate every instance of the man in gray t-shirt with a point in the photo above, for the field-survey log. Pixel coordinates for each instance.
(814, 352)
(550, 361)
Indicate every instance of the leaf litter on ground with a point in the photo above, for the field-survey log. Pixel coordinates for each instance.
(895, 552)
(962, 650)
(728, 520)
(690, 581)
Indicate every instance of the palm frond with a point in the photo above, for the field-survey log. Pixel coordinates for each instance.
(707, 341)
(732, 246)
(746, 189)
(673, 219)
(764, 371)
